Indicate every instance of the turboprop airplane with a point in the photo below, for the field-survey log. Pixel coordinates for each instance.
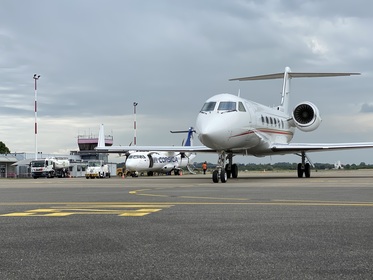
(231, 125)
(152, 161)
(161, 161)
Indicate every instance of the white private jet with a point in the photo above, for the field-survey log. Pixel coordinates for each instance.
(230, 125)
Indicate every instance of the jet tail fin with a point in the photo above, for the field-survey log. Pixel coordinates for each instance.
(287, 76)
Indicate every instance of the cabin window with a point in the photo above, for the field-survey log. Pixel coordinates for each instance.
(208, 107)
(262, 119)
(267, 120)
(270, 120)
(227, 106)
(136, 157)
(241, 107)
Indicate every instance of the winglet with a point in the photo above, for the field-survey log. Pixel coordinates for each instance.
(101, 137)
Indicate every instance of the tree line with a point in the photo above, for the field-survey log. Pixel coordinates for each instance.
(256, 167)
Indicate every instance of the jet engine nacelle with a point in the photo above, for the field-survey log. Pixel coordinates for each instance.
(306, 116)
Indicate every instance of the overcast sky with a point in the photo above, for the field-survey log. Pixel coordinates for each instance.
(96, 58)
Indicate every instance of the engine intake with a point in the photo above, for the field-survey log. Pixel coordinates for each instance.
(306, 116)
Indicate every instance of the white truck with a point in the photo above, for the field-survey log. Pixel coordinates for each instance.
(97, 169)
(50, 167)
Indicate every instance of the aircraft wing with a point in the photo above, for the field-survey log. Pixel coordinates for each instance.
(274, 149)
(317, 147)
(181, 149)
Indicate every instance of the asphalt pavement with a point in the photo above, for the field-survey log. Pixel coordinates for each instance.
(263, 225)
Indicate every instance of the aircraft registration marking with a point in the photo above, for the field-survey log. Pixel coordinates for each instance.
(121, 210)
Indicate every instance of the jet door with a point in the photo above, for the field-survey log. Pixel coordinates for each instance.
(151, 161)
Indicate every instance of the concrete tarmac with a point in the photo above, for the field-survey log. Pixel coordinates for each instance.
(263, 225)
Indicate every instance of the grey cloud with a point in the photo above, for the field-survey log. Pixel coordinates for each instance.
(95, 59)
(366, 108)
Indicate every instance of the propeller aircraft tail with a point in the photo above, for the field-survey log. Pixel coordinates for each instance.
(189, 140)
(101, 137)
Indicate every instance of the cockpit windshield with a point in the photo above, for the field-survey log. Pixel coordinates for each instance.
(208, 107)
(227, 106)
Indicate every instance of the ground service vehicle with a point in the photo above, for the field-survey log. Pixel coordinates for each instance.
(50, 167)
(121, 171)
(97, 169)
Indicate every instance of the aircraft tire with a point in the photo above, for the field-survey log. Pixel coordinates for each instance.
(215, 176)
(223, 176)
(307, 170)
(234, 170)
(228, 171)
(300, 170)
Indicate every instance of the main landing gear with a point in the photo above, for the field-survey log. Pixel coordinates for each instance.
(229, 170)
(303, 167)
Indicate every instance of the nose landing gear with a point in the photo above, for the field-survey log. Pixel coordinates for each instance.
(221, 173)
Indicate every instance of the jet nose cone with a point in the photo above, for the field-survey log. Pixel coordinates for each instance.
(211, 135)
(206, 140)
(131, 164)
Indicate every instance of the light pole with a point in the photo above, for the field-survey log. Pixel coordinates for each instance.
(36, 77)
(134, 122)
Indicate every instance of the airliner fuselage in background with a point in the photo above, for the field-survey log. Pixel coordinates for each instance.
(231, 125)
(161, 161)
(151, 160)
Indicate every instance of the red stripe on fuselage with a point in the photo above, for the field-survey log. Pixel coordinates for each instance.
(271, 131)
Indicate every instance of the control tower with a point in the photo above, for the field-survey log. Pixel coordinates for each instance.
(87, 145)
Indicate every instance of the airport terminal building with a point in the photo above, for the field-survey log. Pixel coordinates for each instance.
(17, 165)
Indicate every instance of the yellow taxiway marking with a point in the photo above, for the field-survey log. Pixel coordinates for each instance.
(140, 209)
(253, 202)
(122, 210)
(140, 193)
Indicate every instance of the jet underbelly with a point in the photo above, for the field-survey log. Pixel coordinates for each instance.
(243, 139)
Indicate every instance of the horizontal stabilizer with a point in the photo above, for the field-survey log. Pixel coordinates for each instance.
(292, 75)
